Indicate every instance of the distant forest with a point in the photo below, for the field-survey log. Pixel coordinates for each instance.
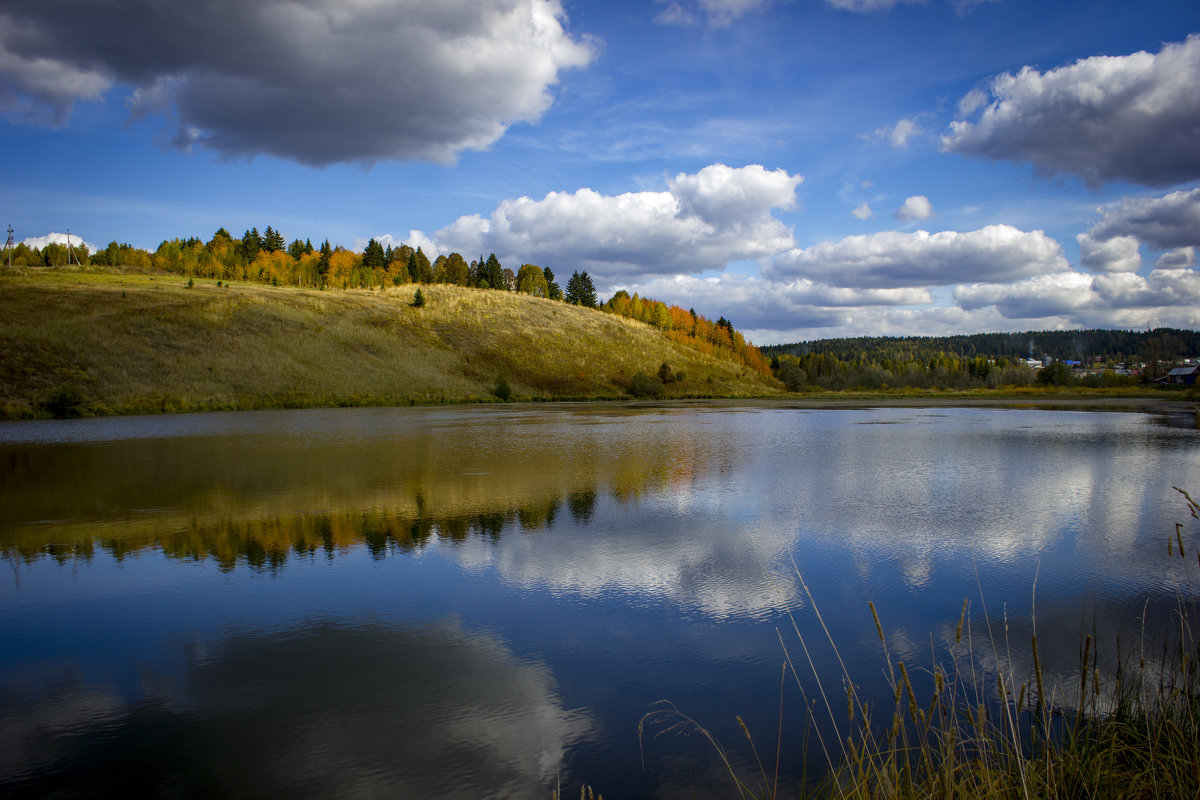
(990, 360)
(1110, 346)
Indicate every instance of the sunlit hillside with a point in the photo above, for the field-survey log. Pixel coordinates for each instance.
(88, 342)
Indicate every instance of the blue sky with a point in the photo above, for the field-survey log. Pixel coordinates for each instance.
(807, 169)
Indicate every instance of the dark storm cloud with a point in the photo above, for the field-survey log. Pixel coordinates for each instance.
(315, 81)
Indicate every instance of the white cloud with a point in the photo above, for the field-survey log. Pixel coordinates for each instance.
(972, 101)
(1042, 295)
(1118, 254)
(915, 207)
(1163, 223)
(898, 135)
(702, 222)
(868, 6)
(58, 238)
(1104, 118)
(893, 259)
(1087, 299)
(318, 82)
(725, 197)
(760, 303)
(1177, 258)
(863, 212)
(719, 13)
(675, 14)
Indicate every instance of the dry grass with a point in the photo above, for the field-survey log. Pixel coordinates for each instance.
(93, 342)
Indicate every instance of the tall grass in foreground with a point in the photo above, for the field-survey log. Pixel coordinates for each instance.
(1007, 732)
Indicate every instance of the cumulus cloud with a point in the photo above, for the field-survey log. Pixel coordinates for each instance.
(1118, 254)
(1105, 118)
(315, 81)
(719, 13)
(892, 259)
(58, 238)
(1069, 293)
(759, 303)
(1177, 258)
(702, 222)
(1039, 296)
(863, 212)
(915, 207)
(1163, 223)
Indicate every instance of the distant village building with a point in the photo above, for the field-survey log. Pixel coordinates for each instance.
(1183, 375)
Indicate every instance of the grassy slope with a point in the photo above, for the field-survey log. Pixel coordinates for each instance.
(119, 343)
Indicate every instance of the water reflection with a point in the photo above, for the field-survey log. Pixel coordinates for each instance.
(327, 709)
(624, 555)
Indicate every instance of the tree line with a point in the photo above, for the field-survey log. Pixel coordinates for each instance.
(985, 360)
(1069, 345)
(267, 258)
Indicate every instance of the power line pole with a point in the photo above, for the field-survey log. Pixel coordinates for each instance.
(71, 250)
(8, 246)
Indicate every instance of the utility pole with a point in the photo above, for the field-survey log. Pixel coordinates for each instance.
(70, 250)
(8, 246)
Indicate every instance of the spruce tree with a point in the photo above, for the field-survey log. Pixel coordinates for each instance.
(580, 290)
(373, 256)
(553, 290)
(493, 272)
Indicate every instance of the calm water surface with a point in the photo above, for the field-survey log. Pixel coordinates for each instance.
(484, 602)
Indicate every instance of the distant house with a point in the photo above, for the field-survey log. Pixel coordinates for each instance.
(1183, 375)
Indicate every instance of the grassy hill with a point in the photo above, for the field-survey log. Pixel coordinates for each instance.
(89, 342)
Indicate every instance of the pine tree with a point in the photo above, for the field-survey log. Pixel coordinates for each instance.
(373, 256)
(553, 290)
(423, 267)
(250, 245)
(323, 261)
(272, 240)
(493, 272)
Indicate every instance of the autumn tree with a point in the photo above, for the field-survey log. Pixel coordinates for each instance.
(454, 269)
(532, 280)
(342, 265)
